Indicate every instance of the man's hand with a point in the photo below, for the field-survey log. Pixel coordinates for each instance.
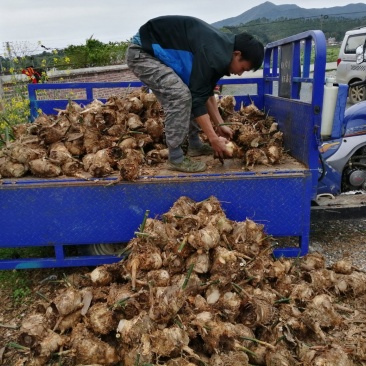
(219, 145)
(217, 139)
(225, 131)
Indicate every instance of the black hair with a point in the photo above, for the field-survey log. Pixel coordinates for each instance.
(251, 49)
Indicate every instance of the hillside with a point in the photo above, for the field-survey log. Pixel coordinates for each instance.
(271, 11)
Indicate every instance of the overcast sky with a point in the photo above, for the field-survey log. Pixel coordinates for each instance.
(59, 23)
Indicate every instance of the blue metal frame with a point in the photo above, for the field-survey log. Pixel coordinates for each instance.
(300, 121)
(61, 212)
(49, 106)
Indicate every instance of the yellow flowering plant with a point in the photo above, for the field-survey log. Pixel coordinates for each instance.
(14, 105)
(14, 110)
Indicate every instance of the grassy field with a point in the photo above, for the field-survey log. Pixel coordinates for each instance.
(332, 53)
(18, 281)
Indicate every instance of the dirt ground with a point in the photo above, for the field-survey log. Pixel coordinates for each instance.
(340, 239)
(335, 239)
(338, 228)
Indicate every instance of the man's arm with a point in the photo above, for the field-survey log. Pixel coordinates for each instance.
(216, 118)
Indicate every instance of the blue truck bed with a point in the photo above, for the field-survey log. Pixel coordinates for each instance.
(68, 211)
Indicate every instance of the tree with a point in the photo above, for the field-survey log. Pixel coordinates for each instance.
(95, 53)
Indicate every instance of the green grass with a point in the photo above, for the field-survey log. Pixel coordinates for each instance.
(332, 53)
(17, 283)
(26, 252)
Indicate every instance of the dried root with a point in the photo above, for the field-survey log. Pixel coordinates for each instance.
(198, 288)
(80, 139)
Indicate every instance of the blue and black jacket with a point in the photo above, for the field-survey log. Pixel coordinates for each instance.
(199, 53)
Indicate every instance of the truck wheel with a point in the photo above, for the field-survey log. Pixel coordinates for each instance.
(101, 249)
(356, 94)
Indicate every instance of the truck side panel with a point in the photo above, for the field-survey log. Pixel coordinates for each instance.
(63, 213)
(299, 136)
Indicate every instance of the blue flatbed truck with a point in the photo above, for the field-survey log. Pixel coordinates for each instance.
(64, 211)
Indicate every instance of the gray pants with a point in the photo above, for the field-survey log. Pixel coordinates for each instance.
(173, 95)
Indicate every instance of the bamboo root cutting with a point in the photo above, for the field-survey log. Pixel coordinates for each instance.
(186, 296)
(123, 136)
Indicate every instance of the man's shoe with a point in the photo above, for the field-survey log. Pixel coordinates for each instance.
(204, 149)
(187, 166)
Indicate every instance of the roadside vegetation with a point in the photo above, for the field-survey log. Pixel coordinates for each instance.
(17, 281)
(332, 53)
(17, 284)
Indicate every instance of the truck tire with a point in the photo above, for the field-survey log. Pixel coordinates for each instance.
(101, 249)
(356, 94)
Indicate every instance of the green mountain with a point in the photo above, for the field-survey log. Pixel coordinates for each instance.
(270, 22)
(272, 12)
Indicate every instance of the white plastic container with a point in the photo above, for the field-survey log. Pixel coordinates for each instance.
(329, 104)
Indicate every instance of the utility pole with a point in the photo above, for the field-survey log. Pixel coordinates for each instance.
(322, 17)
(1, 84)
(8, 48)
(1, 94)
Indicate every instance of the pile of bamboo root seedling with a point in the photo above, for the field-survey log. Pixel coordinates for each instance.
(195, 288)
(121, 136)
